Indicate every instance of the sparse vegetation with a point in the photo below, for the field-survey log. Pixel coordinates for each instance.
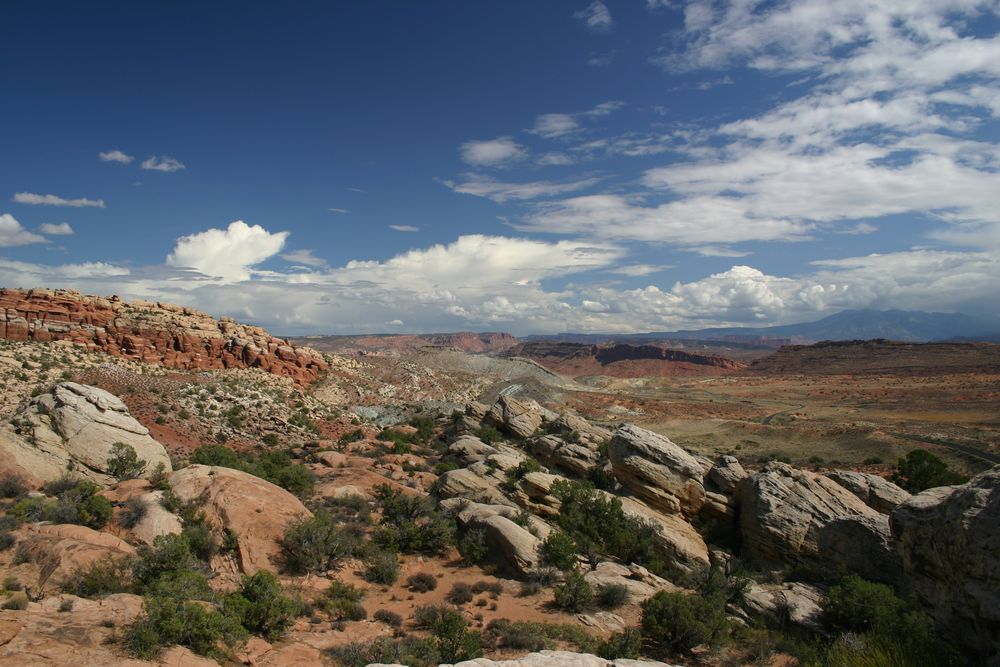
(316, 544)
(574, 594)
(421, 582)
(920, 470)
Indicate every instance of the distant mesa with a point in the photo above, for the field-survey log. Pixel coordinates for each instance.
(157, 333)
(623, 360)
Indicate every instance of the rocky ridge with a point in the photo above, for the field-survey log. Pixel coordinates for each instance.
(159, 333)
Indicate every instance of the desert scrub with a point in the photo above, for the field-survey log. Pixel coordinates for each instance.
(276, 467)
(342, 602)
(559, 551)
(460, 593)
(574, 594)
(390, 618)
(261, 606)
(123, 463)
(316, 544)
(411, 524)
(506, 634)
(133, 511)
(680, 622)
(381, 567)
(612, 596)
(75, 502)
(472, 545)
(422, 582)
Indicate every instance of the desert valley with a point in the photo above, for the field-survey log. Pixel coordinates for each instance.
(185, 490)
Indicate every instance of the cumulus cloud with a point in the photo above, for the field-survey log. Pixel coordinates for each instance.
(498, 191)
(163, 163)
(596, 17)
(115, 156)
(492, 152)
(13, 234)
(228, 254)
(52, 229)
(53, 200)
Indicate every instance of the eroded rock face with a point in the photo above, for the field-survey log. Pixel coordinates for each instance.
(157, 333)
(72, 428)
(949, 541)
(521, 419)
(258, 511)
(725, 475)
(797, 602)
(877, 492)
(640, 582)
(788, 515)
(655, 469)
(73, 547)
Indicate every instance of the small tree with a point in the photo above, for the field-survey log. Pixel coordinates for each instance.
(124, 463)
(921, 470)
(680, 622)
(559, 550)
(574, 594)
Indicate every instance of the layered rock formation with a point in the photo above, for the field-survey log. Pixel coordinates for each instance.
(157, 333)
(72, 428)
(623, 360)
(949, 540)
(878, 493)
(655, 469)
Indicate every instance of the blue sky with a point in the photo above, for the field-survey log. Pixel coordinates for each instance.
(532, 167)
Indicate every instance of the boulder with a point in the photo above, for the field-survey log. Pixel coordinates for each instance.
(660, 472)
(576, 458)
(789, 515)
(256, 510)
(640, 582)
(793, 601)
(681, 547)
(725, 475)
(156, 520)
(517, 545)
(877, 492)
(949, 541)
(467, 483)
(469, 448)
(469, 514)
(520, 419)
(72, 427)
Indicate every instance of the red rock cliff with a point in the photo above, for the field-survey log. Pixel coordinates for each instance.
(157, 333)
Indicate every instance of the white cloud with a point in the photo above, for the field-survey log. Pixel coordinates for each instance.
(163, 163)
(601, 59)
(115, 156)
(228, 253)
(555, 159)
(338, 210)
(61, 229)
(695, 221)
(13, 234)
(304, 257)
(500, 192)
(404, 228)
(554, 125)
(52, 200)
(596, 16)
(718, 251)
(640, 269)
(493, 152)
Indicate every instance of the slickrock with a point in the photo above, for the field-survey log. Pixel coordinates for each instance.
(725, 475)
(794, 516)
(660, 472)
(793, 601)
(72, 546)
(576, 458)
(256, 510)
(640, 582)
(877, 492)
(949, 540)
(72, 428)
(157, 333)
(553, 659)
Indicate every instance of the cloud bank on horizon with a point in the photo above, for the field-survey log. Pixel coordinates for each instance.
(848, 157)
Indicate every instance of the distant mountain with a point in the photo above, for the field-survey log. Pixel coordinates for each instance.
(900, 325)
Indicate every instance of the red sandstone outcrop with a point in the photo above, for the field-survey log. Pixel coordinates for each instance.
(157, 333)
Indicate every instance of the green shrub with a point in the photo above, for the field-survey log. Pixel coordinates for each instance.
(455, 643)
(412, 651)
(680, 622)
(502, 633)
(271, 440)
(276, 467)
(201, 539)
(627, 644)
(261, 606)
(473, 546)
(612, 595)
(169, 552)
(316, 544)
(16, 602)
(574, 594)
(351, 436)
(75, 502)
(381, 567)
(920, 470)
(124, 463)
(857, 605)
(489, 435)
(410, 523)
(342, 602)
(102, 577)
(559, 550)
(422, 582)
(167, 621)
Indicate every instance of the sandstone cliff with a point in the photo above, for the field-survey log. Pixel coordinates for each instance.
(157, 333)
